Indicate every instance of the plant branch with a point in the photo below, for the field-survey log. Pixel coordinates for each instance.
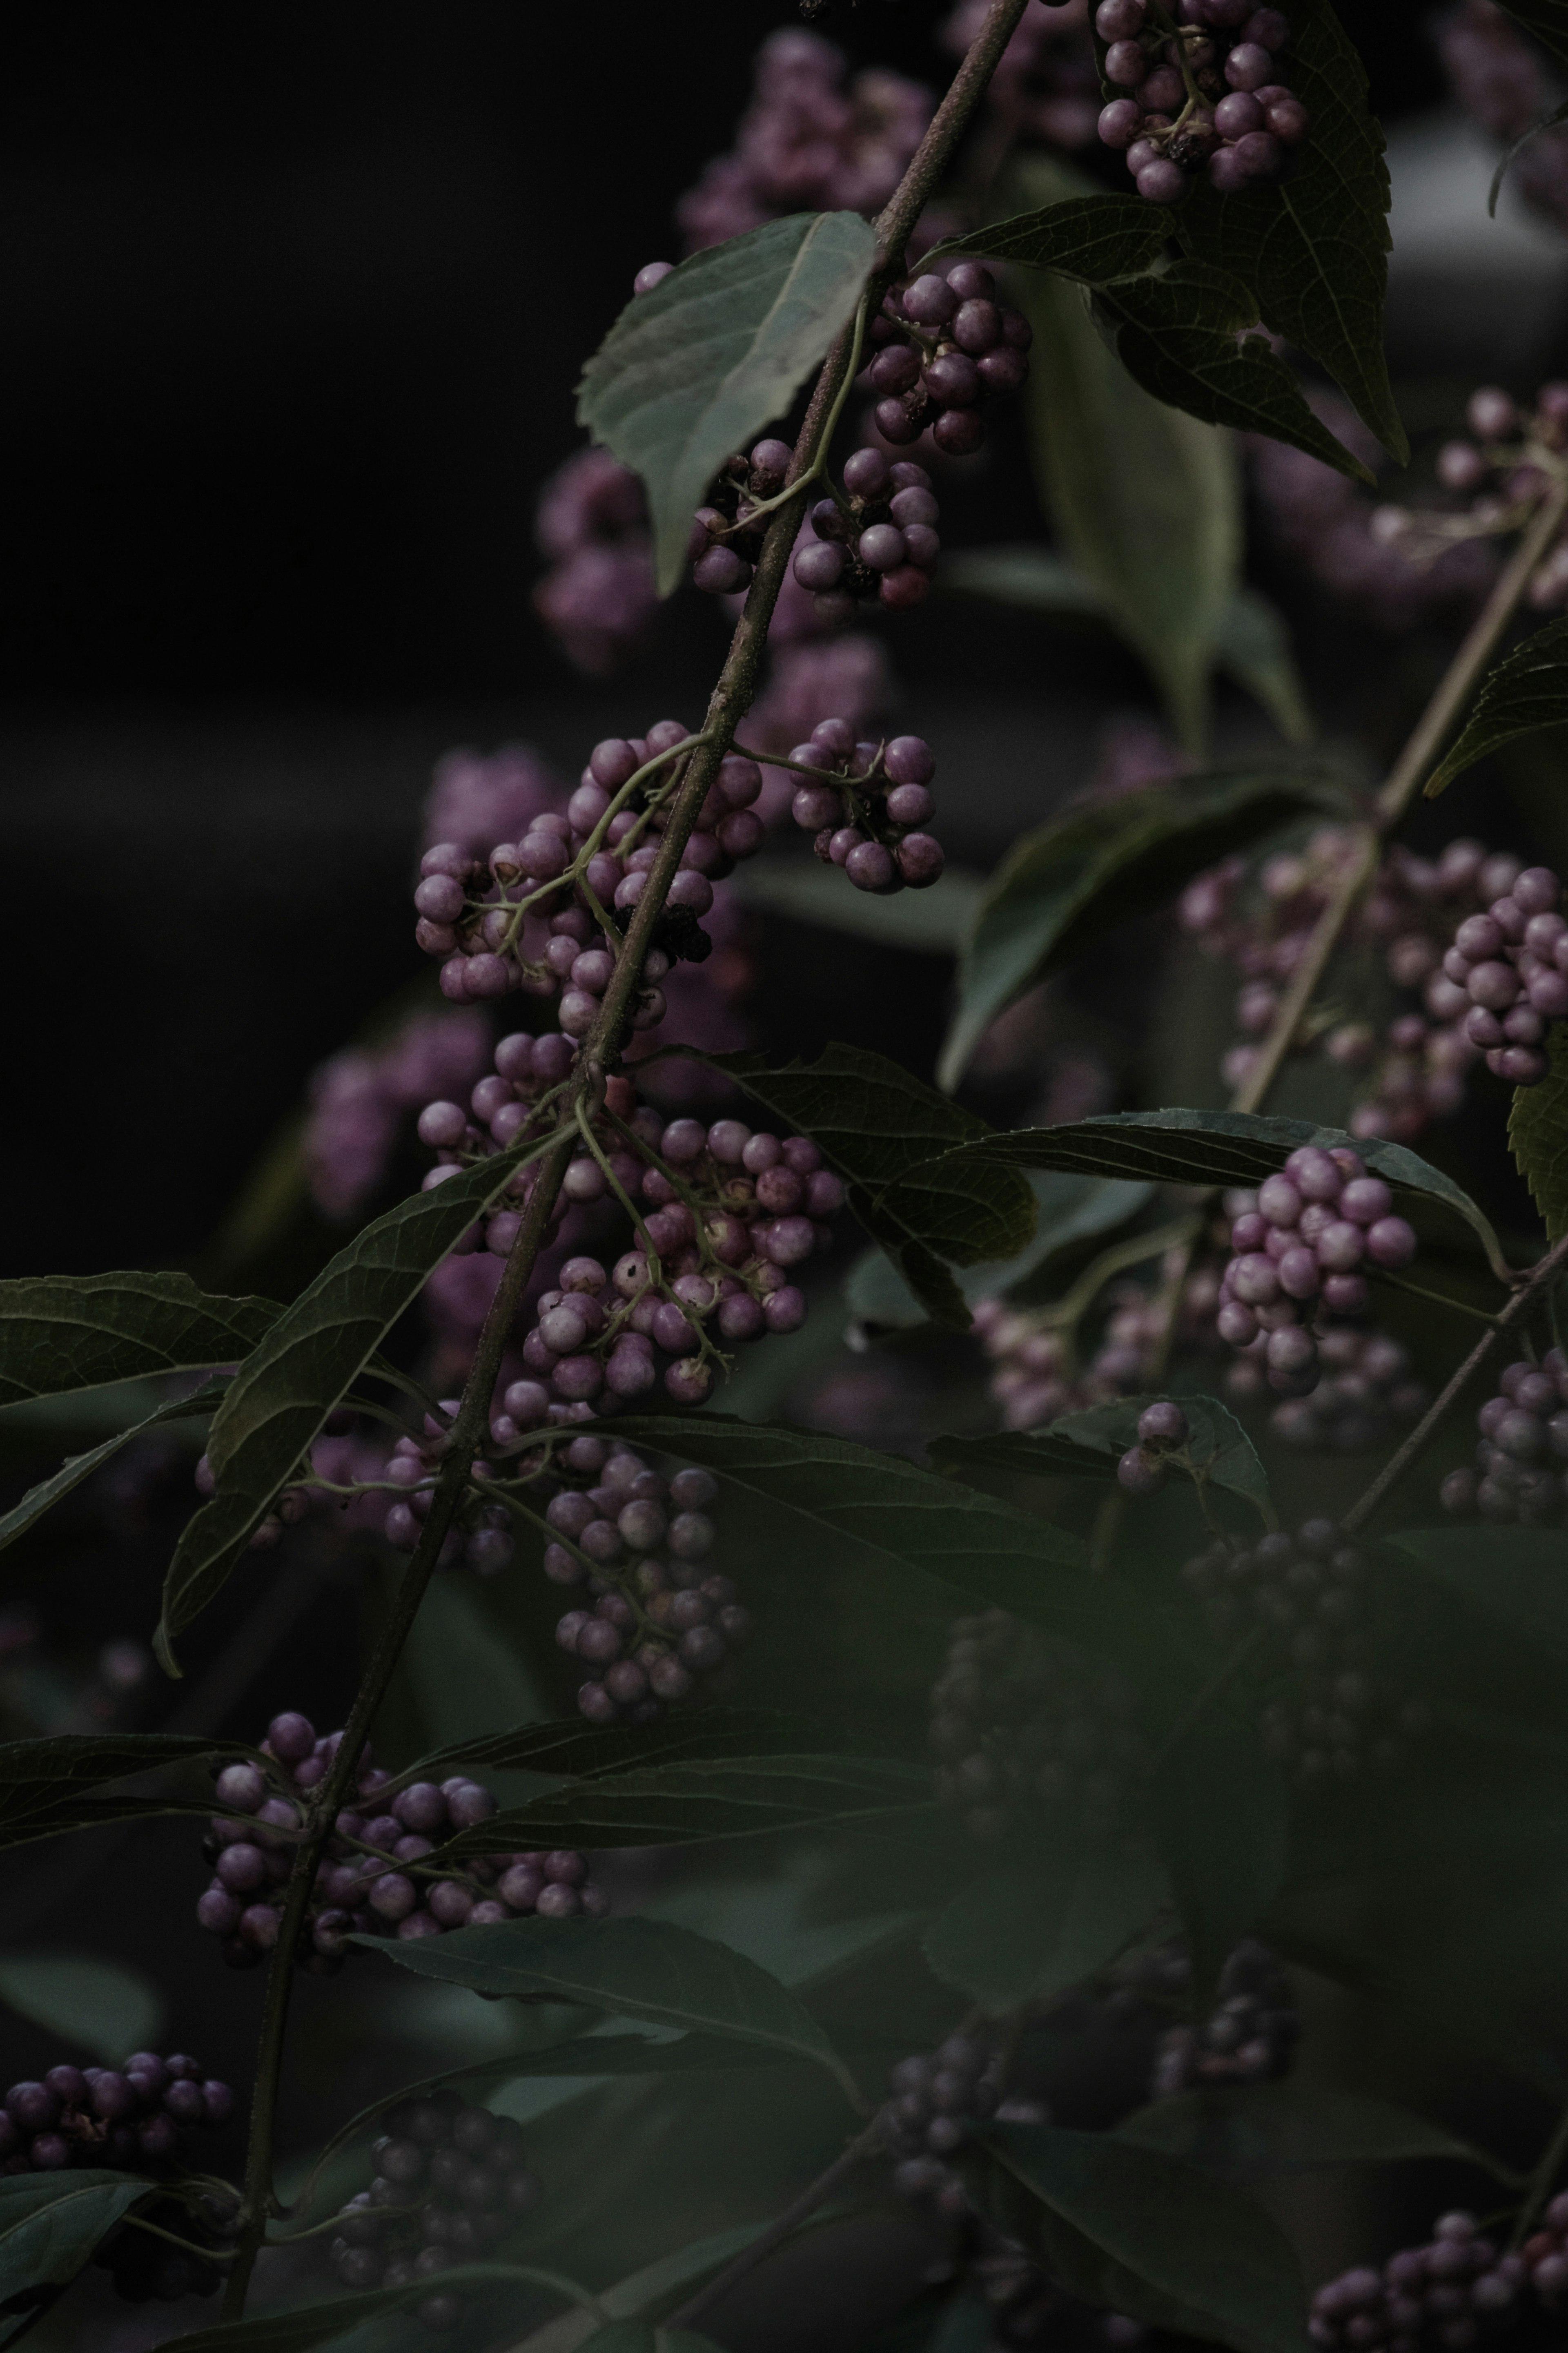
(472, 1425)
(731, 699)
(1514, 1312)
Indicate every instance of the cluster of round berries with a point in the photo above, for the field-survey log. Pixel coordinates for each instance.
(1021, 1723)
(1366, 1391)
(1035, 1378)
(878, 539)
(1511, 964)
(1444, 2294)
(943, 345)
(1545, 2253)
(1409, 916)
(1161, 1431)
(373, 1878)
(809, 142)
(656, 1624)
(726, 541)
(449, 2181)
(1326, 1715)
(1045, 86)
(1503, 80)
(359, 1098)
(1205, 95)
(598, 598)
(1315, 1226)
(866, 804)
(132, 2116)
(1248, 2038)
(1522, 1461)
(935, 2107)
(1506, 470)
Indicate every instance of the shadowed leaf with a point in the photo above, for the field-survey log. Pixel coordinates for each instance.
(1526, 692)
(62, 1333)
(1538, 1135)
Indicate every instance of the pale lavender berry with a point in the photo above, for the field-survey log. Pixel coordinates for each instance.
(439, 898)
(1162, 181)
(819, 565)
(651, 274)
(882, 546)
(240, 1788)
(866, 473)
(1163, 1424)
(688, 1381)
(1391, 1242)
(921, 859)
(1238, 113)
(1125, 64)
(928, 301)
(870, 866)
(720, 571)
(1248, 66)
(1365, 1200)
(1140, 1474)
(909, 760)
(1120, 122)
(784, 1309)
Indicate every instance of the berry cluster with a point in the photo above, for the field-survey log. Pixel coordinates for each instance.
(1315, 1226)
(1200, 91)
(1502, 79)
(1324, 1714)
(808, 142)
(936, 2106)
(1409, 917)
(1366, 1392)
(1522, 1461)
(144, 2268)
(1512, 964)
(1248, 2038)
(449, 2181)
(726, 540)
(598, 599)
(1161, 1432)
(359, 1098)
(1442, 2294)
(1045, 86)
(1505, 471)
(876, 539)
(373, 1878)
(134, 2116)
(867, 806)
(1545, 2253)
(1036, 1380)
(656, 1624)
(942, 346)
(1021, 1723)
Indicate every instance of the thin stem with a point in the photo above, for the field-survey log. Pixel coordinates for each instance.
(731, 698)
(187, 2246)
(1439, 1298)
(814, 2195)
(1517, 1308)
(470, 1426)
(1539, 2188)
(1459, 679)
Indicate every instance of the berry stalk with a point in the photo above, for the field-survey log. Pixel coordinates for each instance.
(1517, 1307)
(731, 700)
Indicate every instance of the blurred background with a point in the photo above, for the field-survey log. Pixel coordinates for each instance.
(297, 304)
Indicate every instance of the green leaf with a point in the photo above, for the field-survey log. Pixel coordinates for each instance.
(1248, 2132)
(51, 2225)
(78, 1467)
(1072, 880)
(1313, 248)
(1255, 647)
(308, 2325)
(1031, 1933)
(677, 1804)
(49, 1787)
(1183, 336)
(61, 1817)
(1069, 1210)
(642, 1969)
(1146, 502)
(1528, 691)
(931, 922)
(573, 1748)
(1089, 1445)
(309, 1359)
(1514, 1575)
(1218, 1810)
(692, 372)
(1253, 644)
(1223, 1148)
(1145, 2234)
(463, 1675)
(106, 2006)
(1538, 1135)
(821, 1488)
(876, 1125)
(62, 1333)
(1090, 237)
